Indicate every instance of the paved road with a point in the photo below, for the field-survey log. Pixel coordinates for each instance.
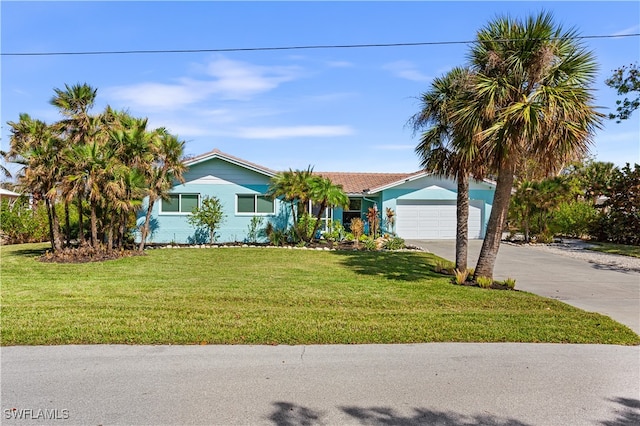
(589, 286)
(423, 384)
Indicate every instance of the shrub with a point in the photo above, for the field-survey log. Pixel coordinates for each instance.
(484, 282)
(254, 232)
(335, 232)
(209, 216)
(510, 283)
(393, 243)
(19, 223)
(574, 219)
(461, 276)
(621, 220)
(369, 244)
(277, 237)
(357, 229)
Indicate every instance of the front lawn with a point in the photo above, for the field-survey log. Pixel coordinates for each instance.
(625, 250)
(272, 296)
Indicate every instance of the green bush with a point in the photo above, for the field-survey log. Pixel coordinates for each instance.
(510, 283)
(575, 219)
(394, 243)
(19, 223)
(369, 243)
(484, 282)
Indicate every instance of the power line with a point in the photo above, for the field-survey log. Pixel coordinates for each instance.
(255, 49)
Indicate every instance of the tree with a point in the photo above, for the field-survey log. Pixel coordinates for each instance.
(294, 187)
(40, 148)
(209, 216)
(443, 148)
(325, 193)
(626, 80)
(621, 220)
(77, 127)
(166, 167)
(532, 85)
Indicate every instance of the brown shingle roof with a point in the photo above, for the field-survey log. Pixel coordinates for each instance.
(356, 183)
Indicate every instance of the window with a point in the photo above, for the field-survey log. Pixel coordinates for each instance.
(253, 203)
(180, 203)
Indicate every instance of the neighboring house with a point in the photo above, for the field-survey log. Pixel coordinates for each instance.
(5, 194)
(424, 204)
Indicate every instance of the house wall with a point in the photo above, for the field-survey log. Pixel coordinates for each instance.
(224, 180)
(440, 189)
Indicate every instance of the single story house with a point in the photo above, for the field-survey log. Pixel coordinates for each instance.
(424, 204)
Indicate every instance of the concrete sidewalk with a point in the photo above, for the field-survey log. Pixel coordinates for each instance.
(589, 286)
(424, 384)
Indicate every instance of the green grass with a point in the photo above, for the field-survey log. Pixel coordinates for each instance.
(625, 250)
(272, 296)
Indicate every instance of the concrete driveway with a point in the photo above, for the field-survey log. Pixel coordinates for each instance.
(594, 287)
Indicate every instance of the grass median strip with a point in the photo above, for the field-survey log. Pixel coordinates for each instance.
(611, 248)
(273, 296)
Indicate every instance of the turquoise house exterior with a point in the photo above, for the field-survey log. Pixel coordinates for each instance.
(424, 205)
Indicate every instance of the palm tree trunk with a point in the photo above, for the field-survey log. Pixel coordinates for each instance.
(323, 207)
(67, 224)
(54, 224)
(50, 221)
(80, 221)
(491, 244)
(121, 229)
(462, 222)
(145, 227)
(94, 225)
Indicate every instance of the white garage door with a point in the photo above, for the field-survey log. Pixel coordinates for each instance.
(428, 220)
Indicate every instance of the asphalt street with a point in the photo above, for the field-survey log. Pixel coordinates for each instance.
(422, 384)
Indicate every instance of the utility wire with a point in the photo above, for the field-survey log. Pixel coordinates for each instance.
(254, 49)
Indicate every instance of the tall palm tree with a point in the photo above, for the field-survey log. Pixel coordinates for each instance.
(40, 148)
(325, 194)
(78, 127)
(167, 167)
(533, 85)
(445, 150)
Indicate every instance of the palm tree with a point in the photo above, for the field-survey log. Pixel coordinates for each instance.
(40, 148)
(293, 187)
(532, 84)
(74, 103)
(166, 168)
(324, 193)
(443, 148)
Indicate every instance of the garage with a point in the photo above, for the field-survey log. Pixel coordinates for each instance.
(434, 220)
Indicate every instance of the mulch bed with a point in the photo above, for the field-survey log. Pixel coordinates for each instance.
(86, 254)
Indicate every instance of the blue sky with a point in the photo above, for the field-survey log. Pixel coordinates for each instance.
(334, 109)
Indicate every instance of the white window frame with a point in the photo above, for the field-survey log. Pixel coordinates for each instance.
(179, 212)
(255, 206)
(326, 218)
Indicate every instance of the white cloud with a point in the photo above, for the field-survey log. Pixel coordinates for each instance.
(339, 64)
(293, 131)
(407, 70)
(627, 31)
(225, 79)
(156, 95)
